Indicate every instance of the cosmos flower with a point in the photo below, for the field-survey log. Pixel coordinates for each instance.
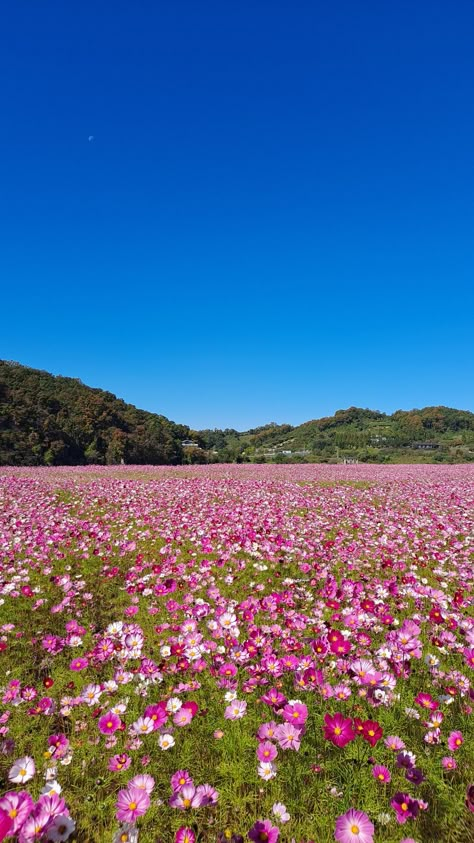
(236, 710)
(109, 723)
(381, 773)
(354, 827)
(184, 835)
(166, 741)
(405, 807)
(338, 729)
(264, 832)
(22, 771)
(280, 812)
(132, 802)
(455, 741)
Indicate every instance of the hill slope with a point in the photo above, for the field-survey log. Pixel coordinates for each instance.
(48, 420)
(52, 420)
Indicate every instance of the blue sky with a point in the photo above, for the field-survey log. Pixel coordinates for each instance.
(274, 218)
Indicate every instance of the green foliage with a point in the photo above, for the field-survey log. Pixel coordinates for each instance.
(47, 420)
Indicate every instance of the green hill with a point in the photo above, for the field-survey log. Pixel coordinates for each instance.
(48, 420)
(53, 420)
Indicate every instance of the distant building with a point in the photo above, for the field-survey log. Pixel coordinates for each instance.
(188, 443)
(425, 446)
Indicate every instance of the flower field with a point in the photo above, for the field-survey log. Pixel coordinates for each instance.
(228, 653)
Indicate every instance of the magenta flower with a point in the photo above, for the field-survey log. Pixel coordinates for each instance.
(6, 824)
(354, 827)
(338, 729)
(470, 798)
(264, 832)
(18, 806)
(179, 779)
(426, 701)
(295, 713)
(381, 773)
(455, 740)
(184, 835)
(448, 763)
(157, 713)
(131, 803)
(266, 751)
(109, 723)
(405, 807)
(78, 664)
(119, 762)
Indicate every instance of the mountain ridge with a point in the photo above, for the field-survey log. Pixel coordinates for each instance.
(50, 419)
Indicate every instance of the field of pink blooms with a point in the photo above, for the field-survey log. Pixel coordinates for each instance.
(233, 653)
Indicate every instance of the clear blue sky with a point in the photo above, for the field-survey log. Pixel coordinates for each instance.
(274, 218)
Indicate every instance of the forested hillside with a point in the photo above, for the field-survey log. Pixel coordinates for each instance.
(53, 420)
(48, 420)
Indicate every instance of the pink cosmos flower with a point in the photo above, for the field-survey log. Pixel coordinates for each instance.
(144, 782)
(179, 779)
(78, 664)
(267, 731)
(185, 835)
(236, 710)
(266, 751)
(186, 797)
(381, 773)
(119, 762)
(295, 713)
(183, 717)
(394, 743)
(264, 832)
(455, 740)
(131, 803)
(6, 824)
(448, 763)
(18, 806)
(157, 712)
(354, 827)
(338, 729)
(109, 723)
(426, 701)
(405, 807)
(288, 736)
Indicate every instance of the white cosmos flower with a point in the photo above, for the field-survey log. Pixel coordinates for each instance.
(61, 828)
(22, 771)
(166, 741)
(52, 787)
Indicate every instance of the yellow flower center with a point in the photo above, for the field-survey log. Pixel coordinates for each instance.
(337, 730)
(381, 777)
(371, 733)
(355, 829)
(13, 813)
(132, 806)
(186, 803)
(404, 806)
(22, 772)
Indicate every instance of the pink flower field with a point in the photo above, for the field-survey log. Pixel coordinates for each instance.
(230, 653)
